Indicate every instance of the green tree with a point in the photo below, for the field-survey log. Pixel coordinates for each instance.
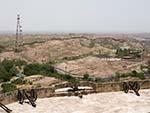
(122, 52)
(4, 75)
(8, 64)
(32, 69)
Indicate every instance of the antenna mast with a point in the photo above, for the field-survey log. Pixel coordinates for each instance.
(18, 34)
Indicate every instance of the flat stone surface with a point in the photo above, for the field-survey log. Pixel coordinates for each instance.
(112, 102)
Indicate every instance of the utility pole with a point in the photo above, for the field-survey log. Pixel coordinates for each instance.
(18, 34)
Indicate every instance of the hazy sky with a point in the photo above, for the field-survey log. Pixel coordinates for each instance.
(76, 15)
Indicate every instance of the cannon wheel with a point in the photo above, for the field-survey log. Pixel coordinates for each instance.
(125, 87)
(136, 88)
(20, 97)
(5, 108)
(33, 95)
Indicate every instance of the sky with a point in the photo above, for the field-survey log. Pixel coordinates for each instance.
(91, 16)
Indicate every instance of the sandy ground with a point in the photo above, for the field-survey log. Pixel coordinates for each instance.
(113, 102)
(98, 67)
(53, 50)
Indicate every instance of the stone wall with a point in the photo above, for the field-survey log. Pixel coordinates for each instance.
(10, 97)
(108, 87)
(45, 92)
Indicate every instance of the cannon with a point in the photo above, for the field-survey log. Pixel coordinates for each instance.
(74, 88)
(32, 96)
(131, 85)
(20, 97)
(5, 108)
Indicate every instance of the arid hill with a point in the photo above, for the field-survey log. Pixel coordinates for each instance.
(75, 47)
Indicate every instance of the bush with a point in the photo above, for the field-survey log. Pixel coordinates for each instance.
(132, 74)
(128, 52)
(19, 81)
(138, 75)
(19, 62)
(7, 87)
(65, 77)
(48, 70)
(36, 68)
(32, 69)
(8, 68)
(13, 71)
(98, 79)
(4, 75)
(1, 48)
(86, 76)
(7, 64)
(122, 52)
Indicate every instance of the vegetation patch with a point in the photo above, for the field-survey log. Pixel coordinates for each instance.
(8, 69)
(115, 78)
(64, 77)
(134, 73)
(7, 87)
(128, 52)
(4, 74)
(19, 81)
(1, 48)
(77, 57)
(47, 70)
(37, 68)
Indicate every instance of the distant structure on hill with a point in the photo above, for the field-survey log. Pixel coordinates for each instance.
(19, 39)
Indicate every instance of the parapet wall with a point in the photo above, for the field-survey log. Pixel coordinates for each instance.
(10, 97)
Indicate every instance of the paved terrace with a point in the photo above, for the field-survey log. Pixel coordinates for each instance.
(112, 102)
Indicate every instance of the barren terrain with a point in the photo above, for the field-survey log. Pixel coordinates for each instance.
(77, 55)
(56, 49)
(99, 67)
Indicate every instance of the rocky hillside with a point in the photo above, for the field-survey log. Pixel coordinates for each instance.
(74, 48)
